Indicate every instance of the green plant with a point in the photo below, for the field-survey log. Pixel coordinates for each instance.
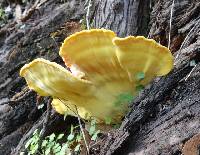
(50, 145)
(108, 120)
(83, 24)
(124, 99)
(74, 139)
(140, 75)
(2, 14)
(32, 144)
(93, 132)
(139, 87)
(192, 63)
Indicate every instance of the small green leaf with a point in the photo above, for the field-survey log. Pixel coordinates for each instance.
(94, 137)
(124, 98)
(108, 120)
(44, 143)
(35, 148)
(92, 130)
(92, 127)
(47, 151)
(70, 137)
(35, 132)
(65, 115)
(35, 138)
(56, 145)
(52, 137)
(28, 143)
(140, 75)
(41, 132)
(77, 148)
(56, 148)
(139, 87)
(78, 137)
(50, 144)
(93, 122)
(192, 63)
(72, 128)
(64, 149)
(116, 126)
(60, 136)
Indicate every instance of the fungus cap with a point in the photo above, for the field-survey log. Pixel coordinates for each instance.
(103, 70)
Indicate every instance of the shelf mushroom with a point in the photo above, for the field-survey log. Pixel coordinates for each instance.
(105, 72)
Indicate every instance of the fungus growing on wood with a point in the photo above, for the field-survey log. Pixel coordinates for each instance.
(105, 73)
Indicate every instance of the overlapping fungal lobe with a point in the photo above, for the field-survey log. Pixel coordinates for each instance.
(50, 79)
(93, 52)
(103, 69)
(138, 54)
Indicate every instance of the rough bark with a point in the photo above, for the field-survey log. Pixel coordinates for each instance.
(166, 114)
(125, 17)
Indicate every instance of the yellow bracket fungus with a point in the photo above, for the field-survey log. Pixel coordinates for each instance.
(103, 68)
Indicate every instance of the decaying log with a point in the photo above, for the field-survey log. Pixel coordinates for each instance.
(166, 114)
(38, 36)
(162, 118)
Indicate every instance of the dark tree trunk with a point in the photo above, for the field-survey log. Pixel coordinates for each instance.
(163, 117)
(125, 17)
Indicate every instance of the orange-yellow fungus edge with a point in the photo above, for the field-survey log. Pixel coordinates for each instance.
(51, 79)
(26, 68)
(166, 61)
(74, 37)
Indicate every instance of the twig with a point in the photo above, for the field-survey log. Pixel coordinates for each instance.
(79, 121)
(88, 13)
(45, 123)
(57, 47)
(95, 143)
(68, 106)
(190, 72)
(21, 95)
(35, 6)
(47, 116)
(86, 3)
(150, 4)
(30, 11)
(170, 24)
(186, 39)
